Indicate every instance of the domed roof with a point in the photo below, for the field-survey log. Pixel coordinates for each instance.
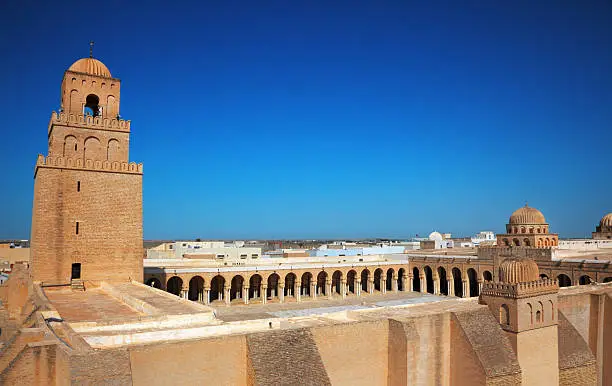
(527, 215)
(90, 66)
(606, 221)
(519, 270)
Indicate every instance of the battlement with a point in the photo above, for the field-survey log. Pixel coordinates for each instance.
(80, 164)
(89, 122)
(520, 290)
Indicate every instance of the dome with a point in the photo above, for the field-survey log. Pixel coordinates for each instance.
(519, 270)
(606, 221)
(90, 66)
(527, 215)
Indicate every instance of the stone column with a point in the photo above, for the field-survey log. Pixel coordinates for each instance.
(436, 287)
(220, 292)
(343, 288)
(423, 284)
(466, 289)
(410, 284)
(245, 294)
(406, 281)
(328, 289)
(451, 287)
(207, 297)
(383, 285)
(357, 287)
(313, 290)
(297, 291)
(371, 286)
(281, 292)
(227, 295)
(479, 286)
(264, 293)
(394, 284)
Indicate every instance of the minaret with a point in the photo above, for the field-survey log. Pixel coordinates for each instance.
(526, 307)
(87, 210)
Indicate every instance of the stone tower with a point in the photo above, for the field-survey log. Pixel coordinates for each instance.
(87, 210)
(526, 308)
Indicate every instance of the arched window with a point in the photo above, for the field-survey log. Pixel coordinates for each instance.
(516, 242)
(92, 105)
(564, 280)
(538, 317)
(506, 242)
(504, 315)
(526, 243)
(530, 314)
(523, 230)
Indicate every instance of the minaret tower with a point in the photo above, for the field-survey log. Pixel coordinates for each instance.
(526, 307)
(87, 210)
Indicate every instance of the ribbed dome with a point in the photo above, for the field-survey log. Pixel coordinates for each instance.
(519, 270)
(527, 215)
(606, 221)
(90, 66)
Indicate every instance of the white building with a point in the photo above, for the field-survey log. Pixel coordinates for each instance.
(486, 237)
(210, 250)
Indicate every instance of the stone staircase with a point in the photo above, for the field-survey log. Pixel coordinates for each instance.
(77, 285)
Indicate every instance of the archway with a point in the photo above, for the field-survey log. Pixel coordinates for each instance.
(336, 282)
(564, 280)
(516, 242)
(272, 291)
(429, 279)
(92, 105)
(443, 281)
(584, 280)
(290, 280)
(457, 282)
(400, 282)
(543, 276)
(350, 280)
(416, 280)
(306, 279)
(487, 276)
(255, 286)
(154, 282)
(175, 285)
(377, 279)
(196, 288)
(473, 278)
(389, 283)
(607, 279)
(321, 279)
(236, 287)
(365, 276)
(217, 284)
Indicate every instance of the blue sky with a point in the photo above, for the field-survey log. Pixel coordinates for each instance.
(340, 119)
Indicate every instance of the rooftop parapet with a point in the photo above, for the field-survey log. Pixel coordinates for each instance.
(520, 290)
(90, 122)
(80, 164)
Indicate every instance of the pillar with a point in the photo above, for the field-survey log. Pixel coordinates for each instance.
(185, 293)
(264, 293)
(371, 286)
(281, 292)
(328, 289)
(313, 290)
(423, 284)
(394, 284)
(451, 287)
(343, 288)
(383, 285)
(436, 284)
(404, 281)
(226, 292)
(410, 285)
(466, 289)
(207, 296)
(479, 286)
(245, 294)
(357, 287)
(297, 291)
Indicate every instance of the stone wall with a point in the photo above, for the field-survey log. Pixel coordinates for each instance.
(108, 209)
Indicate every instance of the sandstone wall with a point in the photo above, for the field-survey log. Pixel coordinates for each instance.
(108, 208)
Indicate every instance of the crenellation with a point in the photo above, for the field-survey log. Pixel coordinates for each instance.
(95, 165)
(87, 121)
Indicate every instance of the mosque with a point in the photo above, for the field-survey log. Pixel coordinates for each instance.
(85, 310)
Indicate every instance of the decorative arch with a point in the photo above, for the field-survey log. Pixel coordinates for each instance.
(92, 148)
(543, 276)
(112, 150)
(487, 276)
(429, 280)
(365, 277)
(526, 242)
(272, 291)
(400, 282)
(306, 280)
(443, 281)
(516, 242)
(389, 282)
(584, 280)
(350, 281)
(70, 146)
(217, 284)
(321, 280)
(378, 279)
(290, 281)
(236, 287)
(336, 282)
(255, 282)
(154, 282)
(416, 280)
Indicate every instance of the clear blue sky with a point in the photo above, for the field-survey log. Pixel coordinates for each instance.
(299, 119)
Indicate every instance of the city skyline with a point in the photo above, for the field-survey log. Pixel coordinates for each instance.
(331, 121)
